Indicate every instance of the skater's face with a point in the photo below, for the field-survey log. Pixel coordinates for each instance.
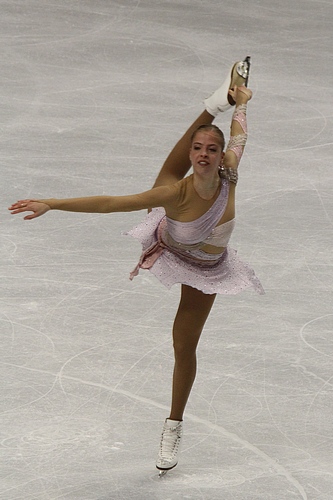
(206, 151)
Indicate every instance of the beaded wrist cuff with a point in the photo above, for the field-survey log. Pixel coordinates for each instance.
(230, 174)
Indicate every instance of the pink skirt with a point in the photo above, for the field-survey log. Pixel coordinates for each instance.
(223, 274)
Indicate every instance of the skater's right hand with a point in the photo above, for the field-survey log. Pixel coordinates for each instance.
(37, 207)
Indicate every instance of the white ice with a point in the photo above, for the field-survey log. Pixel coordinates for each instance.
(94, 93)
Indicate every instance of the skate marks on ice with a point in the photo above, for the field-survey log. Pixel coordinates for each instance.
(255, 467)
(57, 435)
(322, 343)
(73, 417)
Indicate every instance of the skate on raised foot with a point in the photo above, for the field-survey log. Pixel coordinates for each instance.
(169, 446)
(220, 100)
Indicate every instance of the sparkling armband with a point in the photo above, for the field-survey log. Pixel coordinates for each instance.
(230, 174)
(240, 116)
(237, 142)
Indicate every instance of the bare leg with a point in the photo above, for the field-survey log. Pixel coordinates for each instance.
(191, 316)
(178, 163)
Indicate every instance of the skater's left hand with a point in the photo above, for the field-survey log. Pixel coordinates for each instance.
(37, 207)
(241, 95)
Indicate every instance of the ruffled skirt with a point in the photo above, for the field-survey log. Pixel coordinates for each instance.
(223, 274)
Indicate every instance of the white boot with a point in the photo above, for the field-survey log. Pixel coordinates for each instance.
(220, 100)
(170, 445)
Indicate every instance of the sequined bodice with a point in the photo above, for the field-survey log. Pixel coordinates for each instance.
(203, 230)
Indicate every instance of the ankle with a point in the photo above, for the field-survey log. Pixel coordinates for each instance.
(175, 417)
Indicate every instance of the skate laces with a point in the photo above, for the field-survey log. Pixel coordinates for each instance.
(170, 441)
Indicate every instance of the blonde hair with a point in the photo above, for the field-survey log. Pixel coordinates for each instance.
(210, 128)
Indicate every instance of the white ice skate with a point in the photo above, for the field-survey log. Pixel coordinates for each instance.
(170, 446)
(220, 100)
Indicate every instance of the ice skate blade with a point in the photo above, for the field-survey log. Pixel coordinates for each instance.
(162, 473)
(242, 69)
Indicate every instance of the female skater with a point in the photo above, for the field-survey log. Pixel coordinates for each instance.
(185, 236)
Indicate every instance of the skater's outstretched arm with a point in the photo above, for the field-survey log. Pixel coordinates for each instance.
(164, 196)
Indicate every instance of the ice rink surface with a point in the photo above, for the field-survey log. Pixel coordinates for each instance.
(94, 93)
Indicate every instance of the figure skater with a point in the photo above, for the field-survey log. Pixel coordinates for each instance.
(186, 233)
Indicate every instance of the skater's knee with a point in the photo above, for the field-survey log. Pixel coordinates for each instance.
(184, 348)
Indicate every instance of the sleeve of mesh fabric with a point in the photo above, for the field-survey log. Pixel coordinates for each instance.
(237, 142)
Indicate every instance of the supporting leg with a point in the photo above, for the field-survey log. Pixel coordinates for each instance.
(194, 308)
(191, 316)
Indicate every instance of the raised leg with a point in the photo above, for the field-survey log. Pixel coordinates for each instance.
(193, 311)
(178, 162)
